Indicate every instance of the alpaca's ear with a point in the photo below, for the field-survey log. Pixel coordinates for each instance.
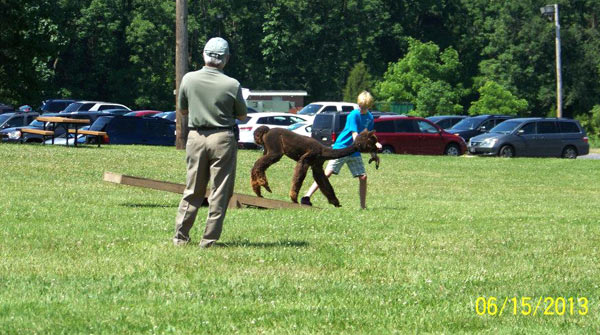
(364, 132)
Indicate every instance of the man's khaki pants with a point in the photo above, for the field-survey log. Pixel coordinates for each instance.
(211, 156)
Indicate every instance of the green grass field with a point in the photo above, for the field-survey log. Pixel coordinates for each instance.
(79, 255)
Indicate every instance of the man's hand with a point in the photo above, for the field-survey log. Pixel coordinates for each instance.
(375, 158)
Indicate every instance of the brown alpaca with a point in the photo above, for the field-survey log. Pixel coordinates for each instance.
(308, 152)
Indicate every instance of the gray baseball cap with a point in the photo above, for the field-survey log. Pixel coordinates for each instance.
(216, 47)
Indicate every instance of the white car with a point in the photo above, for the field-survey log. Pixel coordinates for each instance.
(301, 128)
(271, 120)
(92, 106)
(315, 108)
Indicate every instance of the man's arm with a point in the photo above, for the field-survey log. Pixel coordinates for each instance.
(240, 109)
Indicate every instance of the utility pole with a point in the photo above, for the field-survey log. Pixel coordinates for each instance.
(551, 12)
(559, 98)
(181, 67)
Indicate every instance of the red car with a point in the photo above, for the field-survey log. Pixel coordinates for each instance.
(416, 136)
(143, 113)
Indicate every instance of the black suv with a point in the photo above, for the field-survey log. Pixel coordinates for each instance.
(55, 105)
(476, 125)
(328, 125)
(135, 130)
(17, 119)
(4, 108)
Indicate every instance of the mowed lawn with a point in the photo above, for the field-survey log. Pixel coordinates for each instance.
(79, 255)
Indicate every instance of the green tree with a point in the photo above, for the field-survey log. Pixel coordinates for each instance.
(495, 99)
(591, 122)
(359, 80)
(425, 77)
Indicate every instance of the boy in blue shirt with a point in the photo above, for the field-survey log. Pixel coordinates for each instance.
(357, 121)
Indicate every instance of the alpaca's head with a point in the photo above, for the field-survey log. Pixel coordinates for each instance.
(365, 141)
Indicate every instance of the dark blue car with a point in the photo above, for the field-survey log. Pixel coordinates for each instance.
(135, 130)
(477, 125)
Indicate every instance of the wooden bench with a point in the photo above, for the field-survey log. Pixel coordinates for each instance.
(44, 133)
(98, 134)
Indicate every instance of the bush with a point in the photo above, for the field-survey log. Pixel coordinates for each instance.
(496, 99)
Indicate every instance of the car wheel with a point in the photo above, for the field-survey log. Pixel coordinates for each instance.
(452, 150)
(569, 152)
(388, 149)
(507, 151)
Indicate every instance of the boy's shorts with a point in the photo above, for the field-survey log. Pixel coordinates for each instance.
(355, 164)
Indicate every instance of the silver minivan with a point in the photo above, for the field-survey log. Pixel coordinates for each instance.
(533, 137)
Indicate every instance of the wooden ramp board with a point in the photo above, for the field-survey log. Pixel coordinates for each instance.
(237, 200)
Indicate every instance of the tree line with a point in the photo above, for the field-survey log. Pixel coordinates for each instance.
(441, 55)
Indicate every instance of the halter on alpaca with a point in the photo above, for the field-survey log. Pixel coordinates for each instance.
(308, 152)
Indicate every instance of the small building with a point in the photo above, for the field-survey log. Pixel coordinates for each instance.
(276, 100)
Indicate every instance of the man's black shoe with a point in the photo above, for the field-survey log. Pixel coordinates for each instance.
(305, 201)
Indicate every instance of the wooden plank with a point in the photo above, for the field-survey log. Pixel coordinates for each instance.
(143, 182)
(88, 132)
(237, 200)
(37, 131)
(59, 119)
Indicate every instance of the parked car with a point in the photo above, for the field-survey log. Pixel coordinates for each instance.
(92, 106)
(533, 137)
(143, 113)
(17, 119)
(315, 108)
(4, 108)
(13, 134)
(301, 128)
(135, 130)
(116, 111)
(476, 125)
(416, 136)
(54, 105)
(271, 120)
(328, 125)
(166, 115)
(446, 121)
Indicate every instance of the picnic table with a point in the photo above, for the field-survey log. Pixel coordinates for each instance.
(68, 124)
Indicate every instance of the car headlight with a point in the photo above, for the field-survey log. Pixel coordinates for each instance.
(489, 142)
(14, 135)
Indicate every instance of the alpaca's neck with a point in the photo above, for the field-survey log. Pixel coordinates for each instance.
(329, 153)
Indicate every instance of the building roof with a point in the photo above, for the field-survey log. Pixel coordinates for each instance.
(277, 93)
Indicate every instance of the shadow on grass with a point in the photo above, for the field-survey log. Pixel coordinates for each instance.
(149, 205)
(248, 244)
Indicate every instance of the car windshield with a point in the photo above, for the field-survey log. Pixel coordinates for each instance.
(3, 118)
(310, 109)
(100, 123)
(73, 107)
(506, 127)
(296, 125)
(36, 123)
(467, 124)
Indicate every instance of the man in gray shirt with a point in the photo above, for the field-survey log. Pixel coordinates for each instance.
(212, 101)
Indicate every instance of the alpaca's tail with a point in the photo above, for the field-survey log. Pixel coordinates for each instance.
(259, 133)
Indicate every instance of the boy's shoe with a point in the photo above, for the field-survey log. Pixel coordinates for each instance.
(305, 201)
(204, 244)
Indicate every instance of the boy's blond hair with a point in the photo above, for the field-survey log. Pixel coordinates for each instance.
(365, 99)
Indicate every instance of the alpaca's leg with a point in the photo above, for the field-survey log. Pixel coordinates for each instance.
(258, 175)
(324, 185)
(299, 175)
